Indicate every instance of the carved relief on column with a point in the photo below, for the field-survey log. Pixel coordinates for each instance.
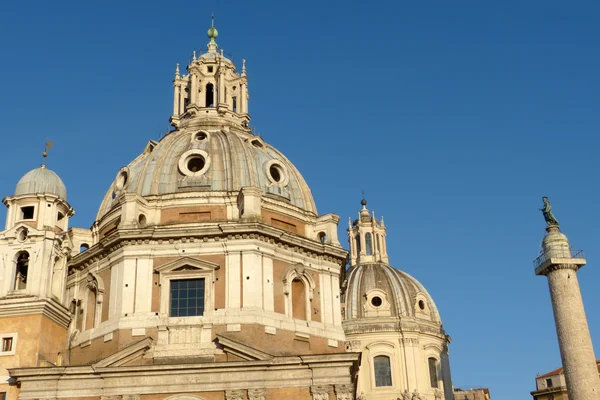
(257, 394)
(234, 395)
(344, 392)
(320, 392)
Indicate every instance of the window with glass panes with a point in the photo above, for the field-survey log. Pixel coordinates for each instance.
(187, 298)
(383, 371)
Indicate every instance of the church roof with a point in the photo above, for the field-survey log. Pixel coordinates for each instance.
(41, 180)
(212, 160)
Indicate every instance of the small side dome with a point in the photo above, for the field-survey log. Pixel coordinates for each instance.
(379, 290)
(41, 180)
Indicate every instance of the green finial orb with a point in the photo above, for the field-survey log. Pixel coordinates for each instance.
(212, 33)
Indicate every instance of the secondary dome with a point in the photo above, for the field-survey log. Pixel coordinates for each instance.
(378, 289)
(41, 180)
(198, 160)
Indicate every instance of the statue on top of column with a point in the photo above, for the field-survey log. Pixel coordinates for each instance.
(548, 215)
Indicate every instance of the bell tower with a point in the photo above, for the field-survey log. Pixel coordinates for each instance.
(367, 238)
(33, 258)
(211, 88)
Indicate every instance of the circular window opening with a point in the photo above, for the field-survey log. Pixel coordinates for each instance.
(200, 136)
(376, 301)
(23, 235)
(196, 163)
(276, 173)
(121, 180)
(142, 221)
(421, 305)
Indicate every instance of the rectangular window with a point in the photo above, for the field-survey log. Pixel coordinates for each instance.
(549, 382)
(27, 212)
(187, 298)
(3, 396)
(383, 371)
(7, 344)
(235, 104)
(433, 375)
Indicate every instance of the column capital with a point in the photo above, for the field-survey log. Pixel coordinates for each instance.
(344, 391)
(234, 395)
(257, 394)
(320, 392)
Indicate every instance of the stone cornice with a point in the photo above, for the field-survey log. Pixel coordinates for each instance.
(191, 233)
(12, 306)
(391, 324)
(554, 264)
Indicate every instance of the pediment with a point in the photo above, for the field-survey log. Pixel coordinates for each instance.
(126, 355)
(243, 351)
(13, 232)
(187, 264)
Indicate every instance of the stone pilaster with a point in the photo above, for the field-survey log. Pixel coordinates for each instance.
(234, 395)
(344, 392)
(320, 392)
(257, 394)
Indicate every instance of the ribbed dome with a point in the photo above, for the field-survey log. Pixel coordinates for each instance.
(41, 180)
(226, 162)
(402, 291)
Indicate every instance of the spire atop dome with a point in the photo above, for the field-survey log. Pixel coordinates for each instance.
(49, 144)
(212, 33)
(367, 238)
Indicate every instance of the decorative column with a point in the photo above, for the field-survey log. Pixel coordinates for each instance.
(176, 97)
(234, 395)
(181, 99)
(344, 392)
(193, 87)
(320, 392)
(222, 101)
(243, 109)
(257, 394)
(559, 263)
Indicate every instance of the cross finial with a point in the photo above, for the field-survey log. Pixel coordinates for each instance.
(49, 144)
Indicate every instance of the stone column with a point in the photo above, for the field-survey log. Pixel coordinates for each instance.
(576, 350)
(181, 99)
(222, 100)
(176, 95)
(243, 109)
(193, 88)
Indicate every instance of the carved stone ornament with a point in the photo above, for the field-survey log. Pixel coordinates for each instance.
(113, 397)
(234, 395)
(417, 396)
(131, 397)
(320, 392)
(439, 394)
(257, 394)
(406, 395)
(362, 396)
(344, 392)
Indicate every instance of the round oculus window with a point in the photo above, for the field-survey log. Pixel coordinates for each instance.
(122, 178)
(376, 301)
(194, 162)
(200, 136)
(277, 173)
(421, 305)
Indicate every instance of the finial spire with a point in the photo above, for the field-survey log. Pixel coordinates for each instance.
(243, 67)
(49, 144)
(363, 202)
(212, 35)
(177, 76)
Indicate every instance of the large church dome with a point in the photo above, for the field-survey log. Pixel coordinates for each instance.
(210, 160)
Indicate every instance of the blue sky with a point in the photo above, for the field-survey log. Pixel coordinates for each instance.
(453, 117)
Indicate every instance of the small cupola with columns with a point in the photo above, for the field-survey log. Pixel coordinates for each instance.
(211, 88)
(367, 238)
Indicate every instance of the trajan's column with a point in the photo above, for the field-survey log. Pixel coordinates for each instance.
(560, 264)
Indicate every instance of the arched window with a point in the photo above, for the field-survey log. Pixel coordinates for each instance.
(383, 371)
(84, 247)
(210, 95)
(369, 243)
(357, 244)
(21, 270)
(298, 299)
(322, 237)
(433, 374)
